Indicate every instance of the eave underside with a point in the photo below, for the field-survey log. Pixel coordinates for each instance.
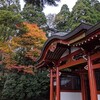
(54, 50)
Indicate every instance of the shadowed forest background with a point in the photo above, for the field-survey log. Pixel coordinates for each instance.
(22, 35)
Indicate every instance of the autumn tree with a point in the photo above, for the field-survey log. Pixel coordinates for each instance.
(29, 44)
(8, 29)
(21, 51)
(19, 55)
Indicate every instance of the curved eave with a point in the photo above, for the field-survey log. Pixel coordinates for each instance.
(56, 37)
(93, 29)
(88, 29)
(90, 35)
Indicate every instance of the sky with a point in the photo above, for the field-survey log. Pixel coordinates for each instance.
(22, 3)
(54, 10)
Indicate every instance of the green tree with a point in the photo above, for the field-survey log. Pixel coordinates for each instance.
(9, 17)
(61, 19)
(11, 5)
(95, 4)
(20, 86)
(33, 14)
(42, 2)
(83, 12)
(8, 21)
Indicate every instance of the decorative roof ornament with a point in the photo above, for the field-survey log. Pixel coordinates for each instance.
(53, 47)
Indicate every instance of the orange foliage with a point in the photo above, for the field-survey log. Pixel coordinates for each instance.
(34, 37)
(4, 46)
(7, 60)
(33, 54)
(32, 42)
(25, 69)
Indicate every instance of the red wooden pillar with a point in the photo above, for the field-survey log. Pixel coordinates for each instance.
(51, 85)
(83, 87)
(92, 82)
(57, 84)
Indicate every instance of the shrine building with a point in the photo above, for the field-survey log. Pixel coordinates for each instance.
(74, 64)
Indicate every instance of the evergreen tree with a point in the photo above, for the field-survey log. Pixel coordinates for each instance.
(95, 4)
(61, 19)
(20, 86)
(33, 14)
(8, 21)
(11, 5)
(41, 2)
(83, 12)
(9, 17)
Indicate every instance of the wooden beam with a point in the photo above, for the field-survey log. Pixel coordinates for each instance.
(95, 56)
(96, 66)
(72, 63)
(70, 55)
(80, 61)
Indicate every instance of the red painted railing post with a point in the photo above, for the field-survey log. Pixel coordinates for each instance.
(51, 85)
(92, 82)
(57, 84)
(83, 87)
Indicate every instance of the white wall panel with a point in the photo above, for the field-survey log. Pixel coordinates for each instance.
(71, 96)
(98, 96)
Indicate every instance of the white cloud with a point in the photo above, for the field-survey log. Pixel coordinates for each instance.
(52, 9)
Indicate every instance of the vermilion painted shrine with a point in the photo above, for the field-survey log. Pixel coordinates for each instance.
(74, 63)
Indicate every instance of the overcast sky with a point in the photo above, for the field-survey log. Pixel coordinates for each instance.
(51, 9)
(54, 10)
(22, 3)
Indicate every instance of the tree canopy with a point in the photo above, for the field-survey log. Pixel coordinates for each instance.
(33, 14)
(8, 21)
(42, 2)
(11, 5)
(61, 19)
(84, 11)
(20, 86)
